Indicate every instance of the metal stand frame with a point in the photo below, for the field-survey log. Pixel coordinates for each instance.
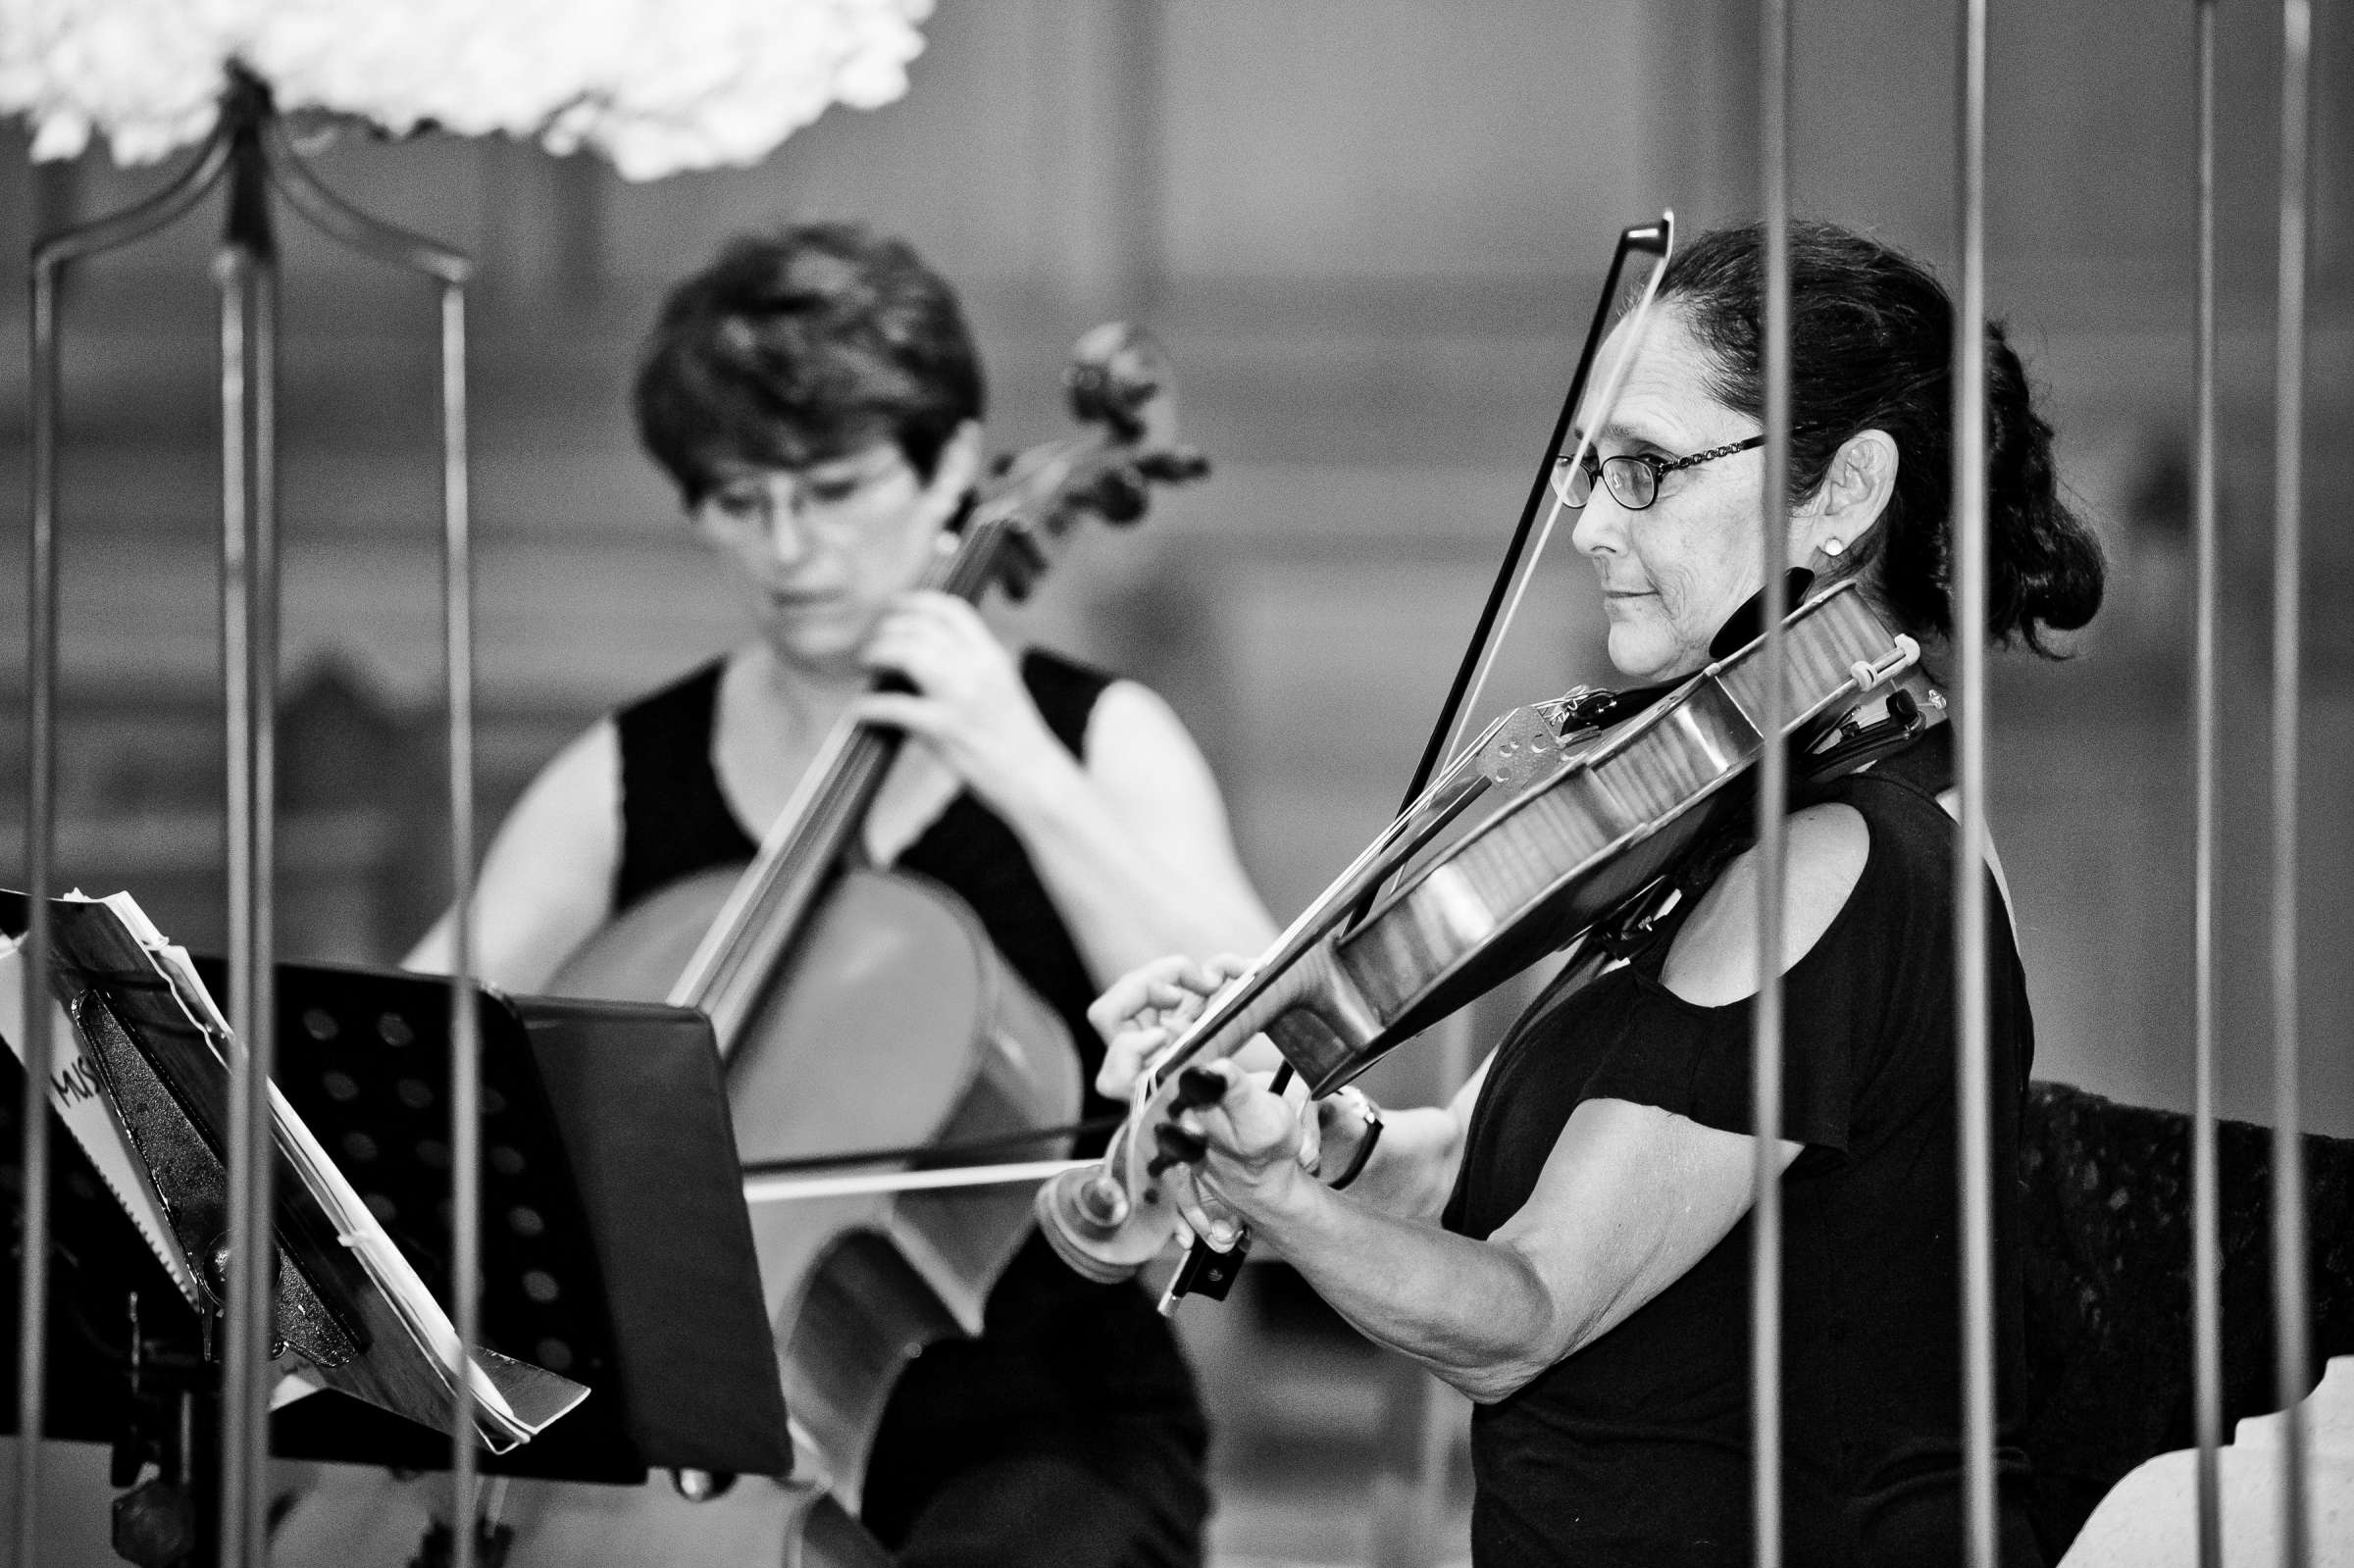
(250, 156)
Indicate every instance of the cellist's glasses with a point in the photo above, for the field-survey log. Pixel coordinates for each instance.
(1634, 478)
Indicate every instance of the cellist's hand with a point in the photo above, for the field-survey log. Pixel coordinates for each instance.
(1150, 1006)
(969, 705)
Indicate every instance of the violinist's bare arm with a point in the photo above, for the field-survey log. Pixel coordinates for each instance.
(1130, 839)
(1630, 1196)
(547, 883)
(1413, 1168)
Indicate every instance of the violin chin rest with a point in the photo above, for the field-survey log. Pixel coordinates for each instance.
(1061, 1222)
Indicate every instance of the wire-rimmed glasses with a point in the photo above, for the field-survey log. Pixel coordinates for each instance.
(1634, 478)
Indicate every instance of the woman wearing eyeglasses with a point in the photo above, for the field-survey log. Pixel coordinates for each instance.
(816, 396)
(1567, 1242)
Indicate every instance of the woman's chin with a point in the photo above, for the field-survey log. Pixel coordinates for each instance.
(1639, 656)
(828, 645)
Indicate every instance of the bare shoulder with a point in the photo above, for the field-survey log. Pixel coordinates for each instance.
(1129, 718)
(1714, 959)
(581, 781)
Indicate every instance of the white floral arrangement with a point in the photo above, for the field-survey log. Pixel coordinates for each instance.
(656, 85)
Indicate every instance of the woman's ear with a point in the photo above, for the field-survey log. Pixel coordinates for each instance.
(1855, 491)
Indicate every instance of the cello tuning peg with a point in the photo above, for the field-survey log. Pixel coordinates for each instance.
(1118, 495)
(1175, 465)
(1022, 563)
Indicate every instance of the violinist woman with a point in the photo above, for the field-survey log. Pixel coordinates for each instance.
(1566, 1243)
(816, 397)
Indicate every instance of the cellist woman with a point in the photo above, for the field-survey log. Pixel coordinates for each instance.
(1566, 1243)
(816, 397)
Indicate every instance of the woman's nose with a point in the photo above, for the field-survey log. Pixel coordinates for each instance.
(788, 524)
(1600, 527)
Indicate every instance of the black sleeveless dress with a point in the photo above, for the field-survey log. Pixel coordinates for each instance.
(1635, 1450)
(1069, 1432)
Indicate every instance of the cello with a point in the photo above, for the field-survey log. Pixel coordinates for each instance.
(802, 961)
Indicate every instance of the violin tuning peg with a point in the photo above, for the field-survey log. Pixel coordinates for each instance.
(1177, 1146)
(1198, 1086)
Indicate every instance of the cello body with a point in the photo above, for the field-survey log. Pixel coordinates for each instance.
(894, 1023)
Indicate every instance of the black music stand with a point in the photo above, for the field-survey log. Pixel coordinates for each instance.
(617, 1252)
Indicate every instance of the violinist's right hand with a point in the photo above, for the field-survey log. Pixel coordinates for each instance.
(1150, 1006)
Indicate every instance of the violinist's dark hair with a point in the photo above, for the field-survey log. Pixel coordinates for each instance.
(1871, 345)
(799, 345)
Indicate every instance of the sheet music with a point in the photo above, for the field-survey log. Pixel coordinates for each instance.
(513, 1400)
(73, 1088)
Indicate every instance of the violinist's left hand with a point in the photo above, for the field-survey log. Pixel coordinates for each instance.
(1260, 1147)
(969, 704)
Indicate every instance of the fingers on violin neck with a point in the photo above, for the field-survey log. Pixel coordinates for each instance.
(1177, 1146)
(1199, 1086)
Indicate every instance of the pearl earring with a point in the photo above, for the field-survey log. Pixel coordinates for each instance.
(1834, 547)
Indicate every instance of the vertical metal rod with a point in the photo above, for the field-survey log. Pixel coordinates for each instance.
(2288, 415)
(245, 268)
(258, 1263)
(40, 822)
(236, 658)
(50, 254)
(1971, 1089)
(1774, 800)
(2206, 1254)
(465, 1065)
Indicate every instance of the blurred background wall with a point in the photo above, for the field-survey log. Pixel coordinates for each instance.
(1369, 231)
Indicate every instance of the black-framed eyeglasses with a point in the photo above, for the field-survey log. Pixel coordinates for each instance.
(1633, 478)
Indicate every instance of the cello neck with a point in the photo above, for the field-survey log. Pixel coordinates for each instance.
(819, 824)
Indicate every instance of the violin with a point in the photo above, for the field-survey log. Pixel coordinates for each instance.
(1589, 809)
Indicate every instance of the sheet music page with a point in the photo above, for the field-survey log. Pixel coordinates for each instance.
(82, 1101)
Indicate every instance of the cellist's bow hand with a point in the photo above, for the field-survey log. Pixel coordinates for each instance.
(1149, 1007)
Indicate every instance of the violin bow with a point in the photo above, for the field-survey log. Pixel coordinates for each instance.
(1207, 1271)
(1656, 239)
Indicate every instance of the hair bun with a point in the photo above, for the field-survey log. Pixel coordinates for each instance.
(2048, 567)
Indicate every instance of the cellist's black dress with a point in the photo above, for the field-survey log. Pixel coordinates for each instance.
(1635, 1450)
(1070, 1433)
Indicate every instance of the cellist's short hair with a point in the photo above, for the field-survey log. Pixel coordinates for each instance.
(801, 344)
